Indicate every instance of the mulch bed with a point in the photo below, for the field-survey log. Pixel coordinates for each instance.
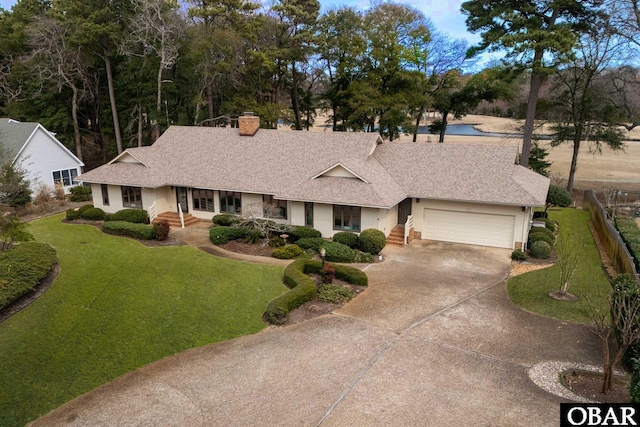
(258, 249)
(606, 261)
(589, 385)
(170, 241)
(30, 296)
(316, 307)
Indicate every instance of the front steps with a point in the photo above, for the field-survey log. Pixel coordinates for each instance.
(174, 219)
(396, 237)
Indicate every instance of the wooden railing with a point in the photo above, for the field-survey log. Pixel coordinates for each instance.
(407, 227)
(153, 212)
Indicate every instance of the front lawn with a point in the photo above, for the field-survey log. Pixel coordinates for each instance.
(118, 305)
(530, 290)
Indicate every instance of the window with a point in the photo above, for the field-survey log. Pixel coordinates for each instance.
(274, 208)
(202, 200)
(65, 176)
(230, 202)
(132, 197)
(105, 194)
(308, 214)
(346, 218)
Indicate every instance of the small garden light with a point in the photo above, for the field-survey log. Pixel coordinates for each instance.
(323, 253)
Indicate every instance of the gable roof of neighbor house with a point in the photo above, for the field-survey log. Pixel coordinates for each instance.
(14, 136)
(301, 165)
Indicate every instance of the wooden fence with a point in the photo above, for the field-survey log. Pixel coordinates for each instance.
(614, 246)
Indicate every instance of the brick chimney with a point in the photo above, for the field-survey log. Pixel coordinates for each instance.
(248, 124)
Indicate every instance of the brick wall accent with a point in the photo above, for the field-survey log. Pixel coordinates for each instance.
(417, 235)
(412, 235)
(519, 245)
(248, 125)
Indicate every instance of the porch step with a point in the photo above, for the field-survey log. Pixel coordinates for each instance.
(396, 237)
(174, 219)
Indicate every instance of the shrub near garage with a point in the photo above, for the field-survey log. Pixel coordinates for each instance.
(129, 229)
(540, 250)
(537, 237)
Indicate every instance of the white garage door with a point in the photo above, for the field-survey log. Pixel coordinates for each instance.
(469, 227)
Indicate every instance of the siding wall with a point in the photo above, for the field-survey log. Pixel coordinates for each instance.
(42, 156)
(387, 219)
(296, 213)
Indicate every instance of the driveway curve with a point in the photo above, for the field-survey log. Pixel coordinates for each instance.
(435, 340)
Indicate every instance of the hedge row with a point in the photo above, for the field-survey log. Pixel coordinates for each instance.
(86, 212)
(137, 216)
(22, 268)
(222, 234)
(630, 234)
(303, 289)
(129, 229)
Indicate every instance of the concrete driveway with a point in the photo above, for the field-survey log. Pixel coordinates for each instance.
(433, 341)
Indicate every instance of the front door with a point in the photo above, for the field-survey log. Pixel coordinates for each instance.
(182, 198)
(404, 210)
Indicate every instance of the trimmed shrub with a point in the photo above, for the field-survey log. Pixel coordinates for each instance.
(22, 268)
(301, 232)
(313, 243)
(543, 230)
(372, 241)
(222, 234)
(537, 237)
(334, 293)
(302, 290)
(346, 238)
(93, 214)
(137, 216)
(130, 229)
(343, 272)
(287, 252)
(83, 208)
(634, 386)
(277, 242)
(518, 255)
(363, 256)
(72, 214)
(80, 193)
(225, 220)
(558, 196)
(540, 249)
(162, 229)
(550, 224)
(337, 252)
(630, 234)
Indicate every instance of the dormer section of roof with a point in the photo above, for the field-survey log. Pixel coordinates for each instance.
(127, 157)
(340, 171)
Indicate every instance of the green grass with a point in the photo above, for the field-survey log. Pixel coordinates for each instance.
(118, 305)
(530, 290)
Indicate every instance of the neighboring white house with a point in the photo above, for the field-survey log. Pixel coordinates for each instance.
(37, 150)
(332, 181)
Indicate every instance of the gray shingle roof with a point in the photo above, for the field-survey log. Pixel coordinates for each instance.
(14, 134)
(285, 163)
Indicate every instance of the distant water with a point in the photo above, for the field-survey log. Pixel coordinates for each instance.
(466, 130)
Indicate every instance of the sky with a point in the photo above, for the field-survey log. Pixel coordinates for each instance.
(445, 14)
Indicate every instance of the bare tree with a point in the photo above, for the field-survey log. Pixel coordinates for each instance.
(621, 315)
(568, 256)
(54, 61)
(157, 27)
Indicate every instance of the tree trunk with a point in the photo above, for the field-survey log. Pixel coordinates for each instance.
(443, 129)
(415, 132)
(574, 158)
(139, 125)
(295, 98)
(534, 91)
(112, 100)
(74, 116)
(210, 104)
(606, 359)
